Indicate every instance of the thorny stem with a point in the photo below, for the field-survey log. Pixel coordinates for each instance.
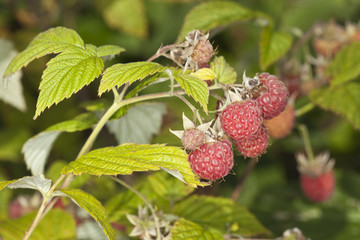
(161, 52)
(195, 111)
(306, 138)
(235, 195)
(146, 201)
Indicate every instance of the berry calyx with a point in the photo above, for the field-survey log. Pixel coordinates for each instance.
(253, 146)
(241, 119)
(213, 160)
(274, 98)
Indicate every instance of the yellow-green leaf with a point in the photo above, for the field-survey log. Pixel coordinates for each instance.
(224, 72)
(56, 225)
(340, 99)
(119, 74)
(273, 45)
(212, 14)
(128, 16)
(127, 158)
(54, 40)
(194, 87)
(187, 230)
(90, 204)
(66, 74)
(107, 50)
(3, 184)
(346, 64)
(79, 123)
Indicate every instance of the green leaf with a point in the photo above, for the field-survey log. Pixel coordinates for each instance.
(343, 100)
(127, 158)
(346, 64)
(66, 74)
(56, 225)
(224, 72)
(54, 40)
(273, 45)
(132, 128)
(123, 203)
(13, 92)
(107, 50)
(212, 14)
(220, 213)
(79, 123)
(119, 74)
(37, 149)
(38, 182)
(187, 230)
(90, 204)
(194, 87)
(3, 184)
(128, 16)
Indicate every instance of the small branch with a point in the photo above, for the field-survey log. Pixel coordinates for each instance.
(147, 203)
(36, 221)
(161, 51)
(306, 138)
(240, 185)
(301, 111)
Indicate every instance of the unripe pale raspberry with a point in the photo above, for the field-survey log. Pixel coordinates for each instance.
(320, 188)
(253, 146)
(281, 126)
(273, 100)
(213, 160)
(202, 52)
(241, 119)
(193, 138)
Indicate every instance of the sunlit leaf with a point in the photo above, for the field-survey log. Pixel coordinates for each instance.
(127, 158)
(212, 14)
(139, 124)
(220, 213)
(37, 149)
(56, 225)
(90, 204)
(12, 91)
(3, 184)
(66, 74)
(343, 100)
(54, 40)
(107, 50)
(119, 74)
(224, 72)
(273, 45)
(194, 87)
(79, 123)
(346, 65)
(187, 230)
(38, 182)
(128, 16)
(204, 74)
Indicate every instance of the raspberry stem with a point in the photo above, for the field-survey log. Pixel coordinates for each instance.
(307, 108)
(306, 139)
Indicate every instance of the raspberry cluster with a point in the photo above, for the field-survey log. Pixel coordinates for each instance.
(262, 97)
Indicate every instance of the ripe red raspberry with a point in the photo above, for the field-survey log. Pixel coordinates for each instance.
(281, 126)
(193, 138)
(241, 119)
(253, 146)
(318, 189)
(213, 160)
(202, 52)
(273, 100)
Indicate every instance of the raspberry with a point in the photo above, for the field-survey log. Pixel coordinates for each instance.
(202, 52)
(273, 100)
(318, 189)
(193, 138)
(213, 160)
(241, 119)
(281, 126)
(253, 146)
(316, 176)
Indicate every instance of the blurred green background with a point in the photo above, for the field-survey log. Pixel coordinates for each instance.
(272, 191)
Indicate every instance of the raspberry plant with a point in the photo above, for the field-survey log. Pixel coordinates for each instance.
(296, 72)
